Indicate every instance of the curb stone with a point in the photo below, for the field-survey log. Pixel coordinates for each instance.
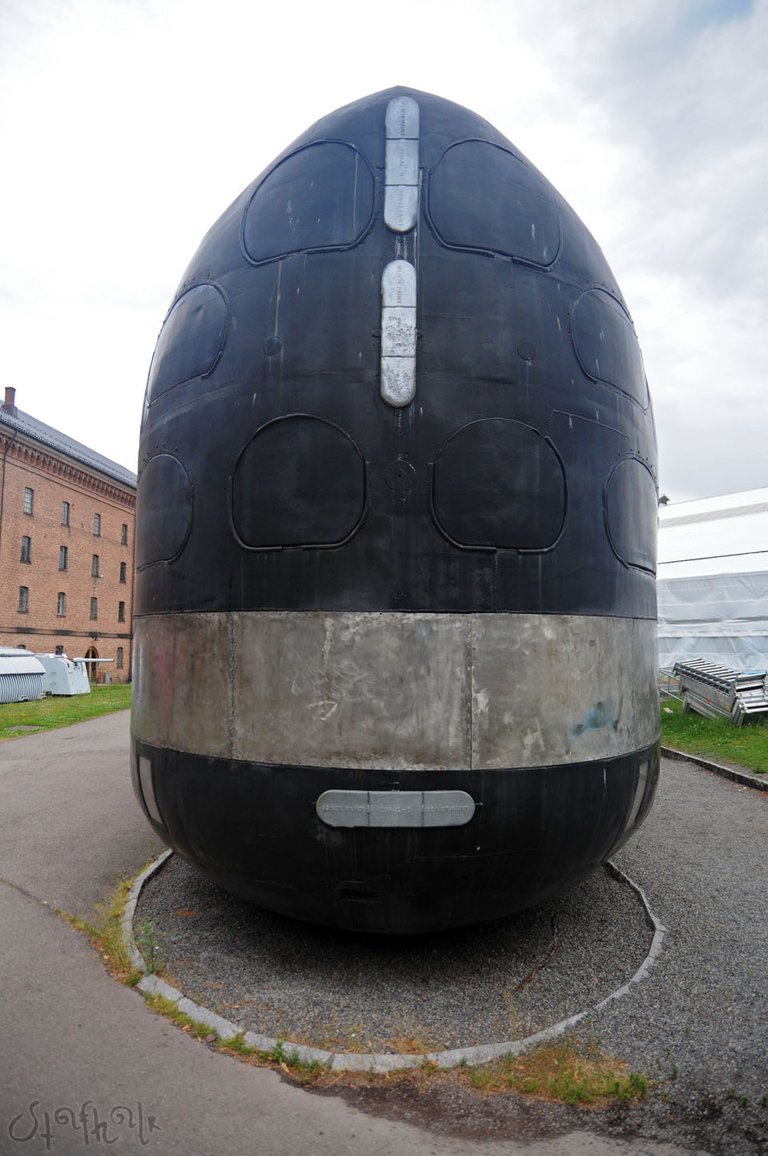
(744, 778)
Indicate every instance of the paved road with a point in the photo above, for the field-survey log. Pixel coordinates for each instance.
(80, 1052)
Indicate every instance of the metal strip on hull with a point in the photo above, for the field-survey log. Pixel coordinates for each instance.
(401, 192)
(398, 333)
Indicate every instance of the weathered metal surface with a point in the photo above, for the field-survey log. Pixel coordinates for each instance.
(398, 333)
(561, 689)
(397, 690)
(182, 682)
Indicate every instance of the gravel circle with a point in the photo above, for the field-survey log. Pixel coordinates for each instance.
(342, 991)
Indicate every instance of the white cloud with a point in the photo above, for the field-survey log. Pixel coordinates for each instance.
(127, 126)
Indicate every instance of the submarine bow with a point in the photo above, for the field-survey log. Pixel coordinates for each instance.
(395, 640)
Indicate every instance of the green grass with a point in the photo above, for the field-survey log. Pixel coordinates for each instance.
(61, 711)
(106, 935)
(714, 738)
(563, 1072)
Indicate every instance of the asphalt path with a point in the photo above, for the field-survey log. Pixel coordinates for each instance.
(85, 1065)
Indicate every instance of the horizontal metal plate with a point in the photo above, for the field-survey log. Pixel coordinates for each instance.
(395, 808)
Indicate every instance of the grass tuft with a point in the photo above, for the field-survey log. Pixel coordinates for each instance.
(561, 1072)
(168, 1009)
(106, 936)
(146, 941)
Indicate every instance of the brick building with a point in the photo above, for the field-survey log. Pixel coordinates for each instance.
(66, 546)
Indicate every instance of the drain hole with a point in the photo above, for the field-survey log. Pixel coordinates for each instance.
(358, 894)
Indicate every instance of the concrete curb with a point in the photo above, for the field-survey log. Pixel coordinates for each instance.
(126, 923)
(377, 1063)
(743, 778)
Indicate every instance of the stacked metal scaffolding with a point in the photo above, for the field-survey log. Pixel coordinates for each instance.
(718, 691)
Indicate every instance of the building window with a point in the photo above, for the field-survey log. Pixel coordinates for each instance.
(29, 499)
(94, 609)
(95, 566)
(121, 612)
(26, 548)
(119, 658)
(65, 513)
(97, 525)
(124, 534)
(61, 604)
(62, 557)
(23, 599)
(123, 572)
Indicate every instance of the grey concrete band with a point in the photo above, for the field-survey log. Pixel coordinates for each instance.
(407, 691)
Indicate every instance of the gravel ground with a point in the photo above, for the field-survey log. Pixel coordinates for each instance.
(347, 992)
(697, 1024)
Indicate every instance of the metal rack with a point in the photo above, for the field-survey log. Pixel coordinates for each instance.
(719, 692)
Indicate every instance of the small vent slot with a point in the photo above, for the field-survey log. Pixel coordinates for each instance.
(358, 894)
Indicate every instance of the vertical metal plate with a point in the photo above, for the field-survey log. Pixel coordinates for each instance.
(398, 333)
(402, 118)
(402, 162)
(398, 380)
(401, 193)
(401, 208)
(398, 285)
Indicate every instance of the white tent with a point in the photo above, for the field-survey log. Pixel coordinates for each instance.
(713, 581)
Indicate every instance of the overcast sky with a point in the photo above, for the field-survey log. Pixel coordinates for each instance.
(128, 126)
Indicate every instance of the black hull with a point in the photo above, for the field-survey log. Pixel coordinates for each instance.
(397, 508)
(253, 829)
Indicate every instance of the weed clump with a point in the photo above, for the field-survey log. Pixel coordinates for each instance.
(561, 1072)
